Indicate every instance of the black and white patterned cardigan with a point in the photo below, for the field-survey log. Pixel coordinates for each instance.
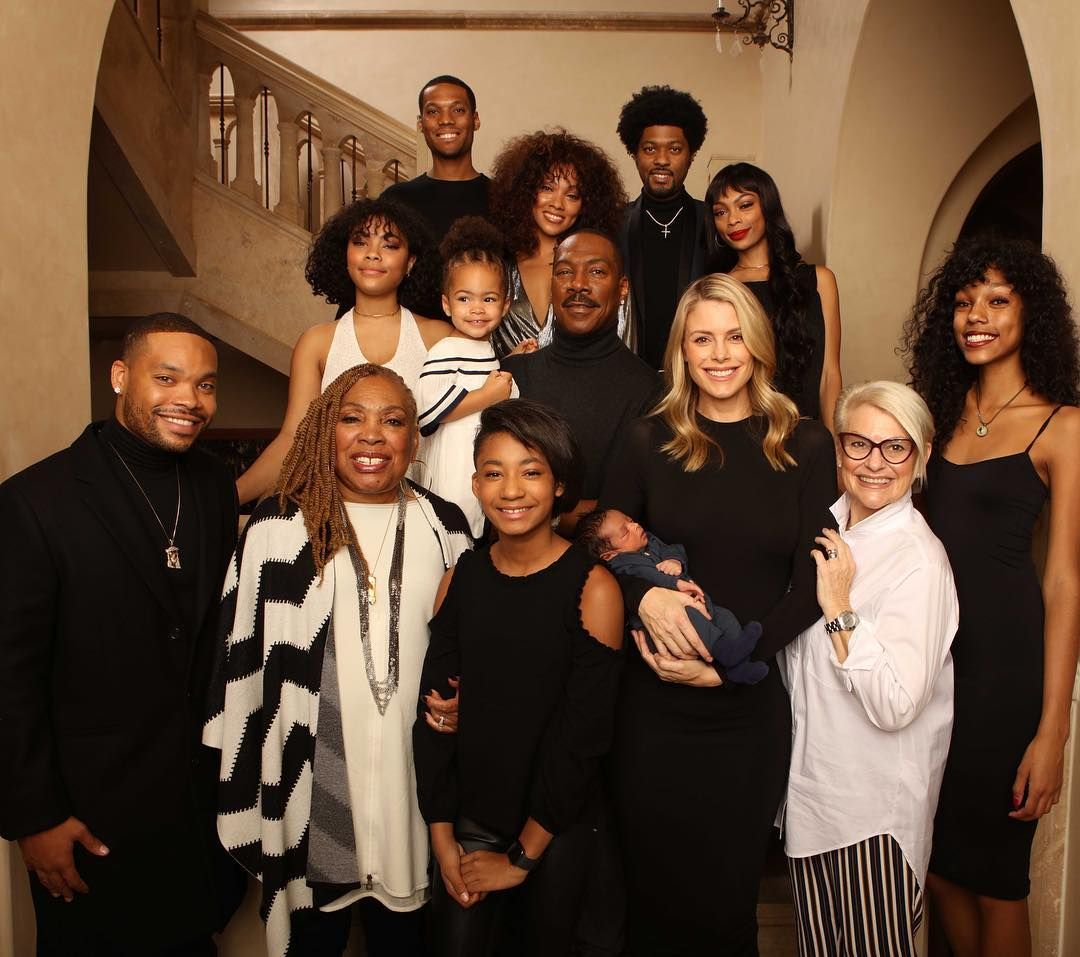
(264, 697)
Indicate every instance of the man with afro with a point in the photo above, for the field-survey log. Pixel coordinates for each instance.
(663, 234)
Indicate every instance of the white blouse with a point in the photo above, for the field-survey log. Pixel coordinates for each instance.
(870, 736)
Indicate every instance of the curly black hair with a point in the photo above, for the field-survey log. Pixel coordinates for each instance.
(1048, 350)
(793, 342)
(325, 269)
(587, 534)
(472, 239)
(527, 161)
(661, 106)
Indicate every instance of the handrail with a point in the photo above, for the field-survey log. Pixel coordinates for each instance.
(278, 71)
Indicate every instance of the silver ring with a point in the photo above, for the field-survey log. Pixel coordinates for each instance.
(442, 720)
(831, 553)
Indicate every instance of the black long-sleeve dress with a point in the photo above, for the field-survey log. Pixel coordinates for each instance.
(698, 773)
(537, 707)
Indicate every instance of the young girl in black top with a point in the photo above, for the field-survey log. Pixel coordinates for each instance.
(533, 626)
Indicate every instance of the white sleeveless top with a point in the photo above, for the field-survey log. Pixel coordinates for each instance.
(345, 353)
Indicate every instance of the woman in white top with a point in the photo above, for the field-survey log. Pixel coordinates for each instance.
(871, 686)
(325, 615)
(377, 257)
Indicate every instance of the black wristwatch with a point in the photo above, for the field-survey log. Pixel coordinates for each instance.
(845, 621)
(519, 858)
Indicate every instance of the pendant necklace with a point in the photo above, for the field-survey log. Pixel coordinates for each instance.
(984, 427)
(172, 553)
(371, 568)
(665, 228)
(382, 690)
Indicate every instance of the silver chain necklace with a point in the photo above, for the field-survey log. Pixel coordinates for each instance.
(665, 228)
(172, 553)
(381, 690)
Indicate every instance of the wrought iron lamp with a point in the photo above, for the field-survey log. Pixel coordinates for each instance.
(769, 22)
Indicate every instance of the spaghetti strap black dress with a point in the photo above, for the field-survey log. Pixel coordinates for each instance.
(985, 513)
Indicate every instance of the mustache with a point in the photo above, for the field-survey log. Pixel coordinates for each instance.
(580, 299)
(179, 411)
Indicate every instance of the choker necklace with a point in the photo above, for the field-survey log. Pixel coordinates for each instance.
(172, 553)
(665, 228)
(763, 266)
(375, 315)
(381, 690)
(984, 427)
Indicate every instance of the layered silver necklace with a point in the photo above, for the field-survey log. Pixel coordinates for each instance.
(172, 553)
(382, 690)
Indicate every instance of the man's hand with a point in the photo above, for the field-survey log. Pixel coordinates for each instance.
(49, 855)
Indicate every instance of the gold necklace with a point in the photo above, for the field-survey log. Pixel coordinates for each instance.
(984, 427)
(763, 266)
(375, 315)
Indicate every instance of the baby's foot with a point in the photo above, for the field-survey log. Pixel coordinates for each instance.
(747, 672)
(732, 652)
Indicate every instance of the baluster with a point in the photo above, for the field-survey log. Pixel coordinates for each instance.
(244, 137)
(288, 206)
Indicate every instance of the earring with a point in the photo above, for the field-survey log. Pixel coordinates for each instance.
(116, 389)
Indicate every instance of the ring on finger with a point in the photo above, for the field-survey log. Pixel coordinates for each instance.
(831, 553)
(442, 720)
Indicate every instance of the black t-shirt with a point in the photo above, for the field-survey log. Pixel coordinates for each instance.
(441, 201)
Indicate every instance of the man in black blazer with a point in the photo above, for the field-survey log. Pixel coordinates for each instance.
(663, 236)
(115, 551)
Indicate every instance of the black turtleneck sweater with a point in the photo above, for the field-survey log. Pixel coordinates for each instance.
(156, 472)
(660, 259)
(596, 383)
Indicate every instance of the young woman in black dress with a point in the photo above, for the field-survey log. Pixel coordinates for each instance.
(726, 467)
(992, 348)
(750, 239)
(533, 626)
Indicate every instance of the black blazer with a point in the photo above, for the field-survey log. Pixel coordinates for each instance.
(102, 688)
(691, 262)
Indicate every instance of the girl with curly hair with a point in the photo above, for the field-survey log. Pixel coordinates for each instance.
(376, 259)
(992, 348)
(545, 185)
(750, 238)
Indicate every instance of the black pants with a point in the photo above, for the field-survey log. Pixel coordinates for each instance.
(538, 917)
(387, 933)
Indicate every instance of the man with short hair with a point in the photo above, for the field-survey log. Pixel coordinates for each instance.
(115, 552)
(448, 120)
(663, 236)
(587, 373)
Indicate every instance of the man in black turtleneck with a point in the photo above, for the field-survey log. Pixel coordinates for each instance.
(663, 235)
(587, 373)
(114, 557)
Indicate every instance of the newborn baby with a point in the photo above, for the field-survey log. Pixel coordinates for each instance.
(627, 549)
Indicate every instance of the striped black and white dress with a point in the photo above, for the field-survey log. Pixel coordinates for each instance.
(454, 367)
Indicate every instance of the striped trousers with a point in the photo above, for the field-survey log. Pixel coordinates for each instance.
(858, 901)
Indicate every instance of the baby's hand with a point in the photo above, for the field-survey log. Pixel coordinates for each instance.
(498, 384)
(670, 566)
(525, 347)
(693, 589)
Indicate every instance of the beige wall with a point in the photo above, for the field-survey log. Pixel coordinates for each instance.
(1051, 35)
(44, 377)
(526, 80)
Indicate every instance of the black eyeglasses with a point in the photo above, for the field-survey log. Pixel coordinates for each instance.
(858, 447)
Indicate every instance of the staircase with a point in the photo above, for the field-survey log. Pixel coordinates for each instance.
(213, 160)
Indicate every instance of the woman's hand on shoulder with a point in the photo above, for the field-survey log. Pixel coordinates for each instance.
(663, 612)
(835, 573)
(602, 607)
(693, 671)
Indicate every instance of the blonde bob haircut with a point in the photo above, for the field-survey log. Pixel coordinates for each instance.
(689, 445)
(902, 403)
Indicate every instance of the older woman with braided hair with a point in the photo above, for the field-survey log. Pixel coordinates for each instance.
(325, 617)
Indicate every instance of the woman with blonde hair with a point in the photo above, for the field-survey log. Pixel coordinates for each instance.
(871, 685)
(724, 466)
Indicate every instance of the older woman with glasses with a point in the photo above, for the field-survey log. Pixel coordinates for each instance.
(871, 686)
